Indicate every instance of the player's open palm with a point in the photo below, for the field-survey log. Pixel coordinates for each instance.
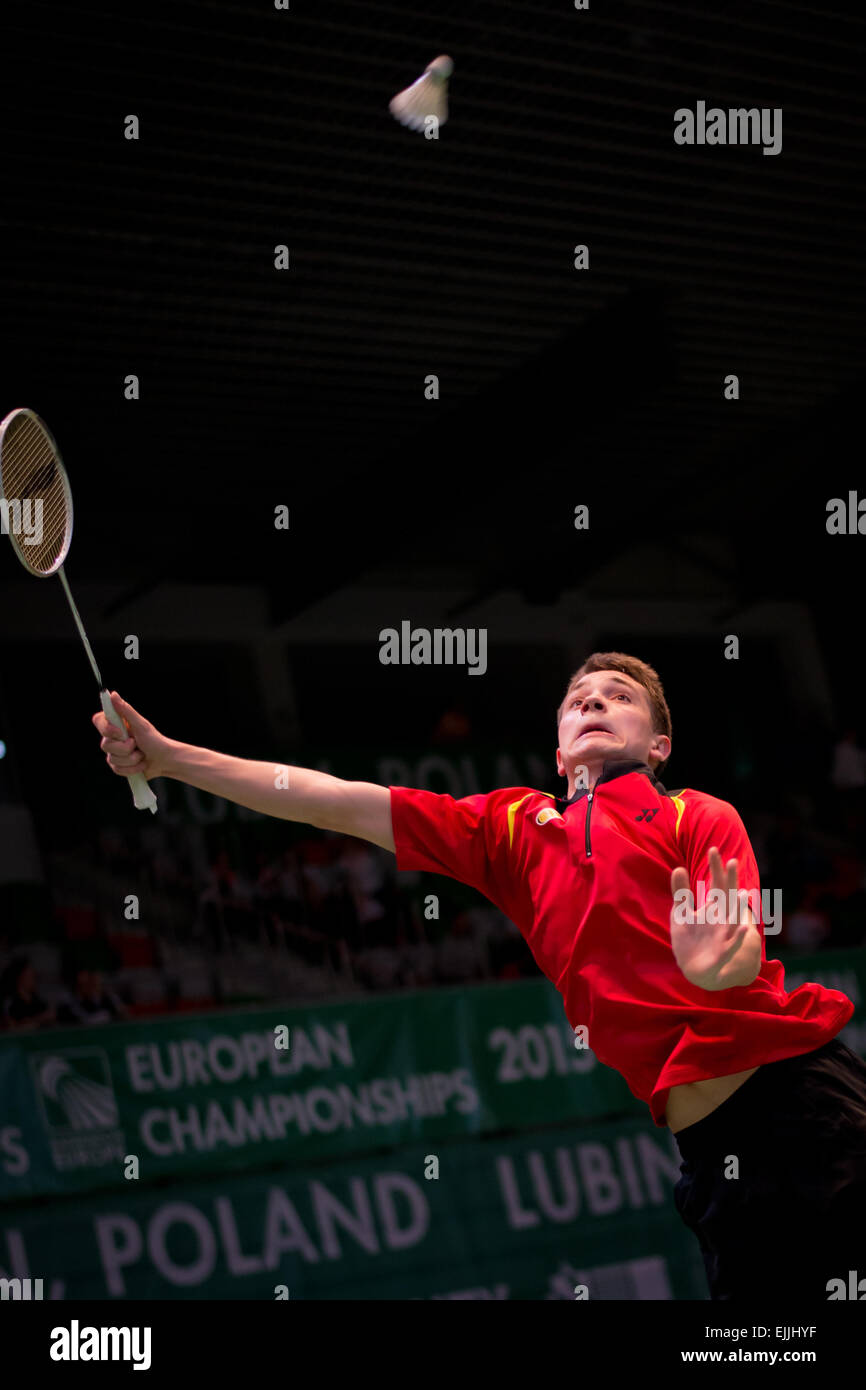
(704, 938)
(143, 749)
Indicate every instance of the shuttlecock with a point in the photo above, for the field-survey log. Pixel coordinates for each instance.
(425, 98)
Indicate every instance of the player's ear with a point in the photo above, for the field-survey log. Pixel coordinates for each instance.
(661, 746)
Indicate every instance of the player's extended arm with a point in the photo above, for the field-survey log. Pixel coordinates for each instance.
(362, 809)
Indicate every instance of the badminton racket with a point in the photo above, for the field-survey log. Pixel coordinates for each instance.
(33, 483)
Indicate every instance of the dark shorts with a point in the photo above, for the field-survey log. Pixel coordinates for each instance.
(795, 1217)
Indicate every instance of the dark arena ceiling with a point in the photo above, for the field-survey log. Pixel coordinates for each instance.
(261, 127)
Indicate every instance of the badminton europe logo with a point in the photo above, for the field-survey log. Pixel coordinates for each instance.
(443, 646)
(22, 518)
(78, 1106)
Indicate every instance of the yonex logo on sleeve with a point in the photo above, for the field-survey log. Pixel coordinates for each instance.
(648, 814)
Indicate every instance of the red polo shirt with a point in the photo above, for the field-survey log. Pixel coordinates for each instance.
(588, 883)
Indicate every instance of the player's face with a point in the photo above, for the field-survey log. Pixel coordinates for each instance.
(606, 715)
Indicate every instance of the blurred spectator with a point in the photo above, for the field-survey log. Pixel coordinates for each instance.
(280, 896)
(844, 901)
(509, 955)
(113, 850)
(225, 899)
(317, 872)
(848, 776)
(321, 888)
(808, 927)
(372, 896)
(795, 856)
(378, 967)
(265, 888)
(242, 895)
(454, 726)
(90, 1001)
(288, 882)
(418, 962)
(165, 867)
(22, 1007)
(279, 890)
(458, 956)
(849, 763)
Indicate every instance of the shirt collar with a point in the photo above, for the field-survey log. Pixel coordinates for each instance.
(612, 768)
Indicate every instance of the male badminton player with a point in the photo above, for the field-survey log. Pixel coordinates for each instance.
(768, 1106)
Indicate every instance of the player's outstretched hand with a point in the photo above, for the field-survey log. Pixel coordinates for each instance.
(705, 940)
(143, 749)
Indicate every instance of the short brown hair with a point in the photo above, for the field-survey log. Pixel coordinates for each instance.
(639, 671)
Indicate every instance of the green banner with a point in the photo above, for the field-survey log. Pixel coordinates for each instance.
(203, 1094)
(208, 1092)
(531, 1217)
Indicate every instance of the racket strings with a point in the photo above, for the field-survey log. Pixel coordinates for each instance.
(30, 472)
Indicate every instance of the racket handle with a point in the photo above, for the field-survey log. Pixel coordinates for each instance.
(141, 793)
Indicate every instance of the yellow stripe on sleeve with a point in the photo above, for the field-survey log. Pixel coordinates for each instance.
(512, 811)
(681, 806)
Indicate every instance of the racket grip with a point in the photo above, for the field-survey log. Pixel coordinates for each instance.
(141, 793)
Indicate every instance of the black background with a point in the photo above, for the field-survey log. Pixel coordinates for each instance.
(408, 256)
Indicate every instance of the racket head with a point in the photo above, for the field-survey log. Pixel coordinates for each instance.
(31, 471)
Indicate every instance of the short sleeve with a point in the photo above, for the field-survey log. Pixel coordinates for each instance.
(464, 839)
(716, 823)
